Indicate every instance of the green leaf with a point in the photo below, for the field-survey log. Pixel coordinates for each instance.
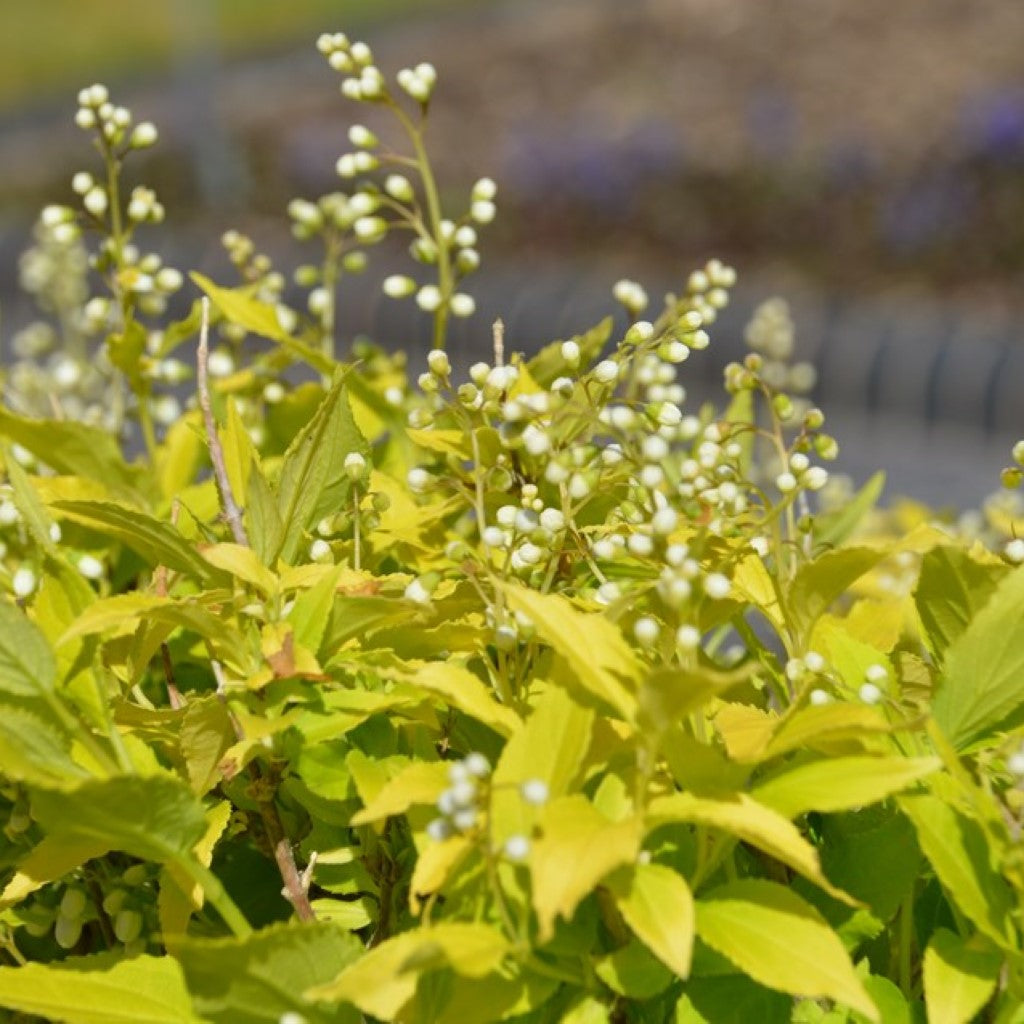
(982, 689)
(421, 782)
(242, 563)
(262, 519)
(959, 978)
(781, 942)
(633, 972)
(27, 666)
(461, 689)
(657, 905)
(143, 990)
(578, 846)
(385, 978)
(951, 589)
(667, 694)
(961, 856)
(548, 363)
(72, 448)
(841, 783)
(258, 979)
(551, 747)
(260, 318)
(312, 611)
(154, 818)
(743, 817)
(49, 860)
(206, 735)
(602, 661)
(834, 527)
(819, 582)
(157, 542)
(731, 999)
(33, 751)
(313, 479)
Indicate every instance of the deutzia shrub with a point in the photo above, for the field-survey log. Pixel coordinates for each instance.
(392, 689)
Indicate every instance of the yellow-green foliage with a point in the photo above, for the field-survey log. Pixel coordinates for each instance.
(522, 693)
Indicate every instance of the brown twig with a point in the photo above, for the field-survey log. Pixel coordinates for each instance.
(232, 513)
(296, 883)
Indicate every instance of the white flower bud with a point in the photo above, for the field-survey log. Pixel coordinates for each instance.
(786, 482)
(418, 479)
(417, 592)
(571, 353)
(646, 630)
(82, 182)
(517, 848)
(399, 187)
(535, 440)
(483, 211)
(370, 229)
(168, 279)
(143, 135)
(90, 567)
(814, 661)
(717, 586)
(319, 550)
(462, 305)
(876, 674)
(220, 363)
(664, 521)
(85, 118)
(869, 693)
(606, 371)
(494, 537)
(355, 466)
(817, 697)
(535, 792)
(476, 764)
(552, 520)
(428, 298)
(815, 478)
(23, 583)
(687, 638)
(346, 166)
(398, 286)
(640, 544)
(1014, 550)
(439, 363)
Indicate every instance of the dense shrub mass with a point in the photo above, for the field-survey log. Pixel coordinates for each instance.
(524, 694)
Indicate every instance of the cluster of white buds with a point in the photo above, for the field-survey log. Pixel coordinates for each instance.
(112, 124)
(460, 803)
(363, 80)
(871, 690)
(529, 536)
(144, 207)
(801, 475)
(418, 82)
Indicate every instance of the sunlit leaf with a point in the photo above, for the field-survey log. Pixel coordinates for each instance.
(959, 977)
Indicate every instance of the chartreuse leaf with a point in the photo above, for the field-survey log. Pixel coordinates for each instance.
(240, 455)
(657, 905)
(743, 817)
(311, 611)
(154, 818)
(578, 846)
(421, 782)
(261, 978)
(959, 977)
(384, 979)
(242, 563)
(260, 318)
(437, 862)
(461, 689)
(180, 896)
(142, 990)
(27, 666)
(49, 860)
(819, 582)
(551, 747)
(601, 660)
(781, 941)
(952, 587)
(157, 542)
(962, 859)
(72, 448)
(817, 725)
(983, 685)
(834, 527)
(33, 751)
(313, 481)
(633, 971)
(841, 783)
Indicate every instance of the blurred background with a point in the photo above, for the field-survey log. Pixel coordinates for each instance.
(862, 159)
